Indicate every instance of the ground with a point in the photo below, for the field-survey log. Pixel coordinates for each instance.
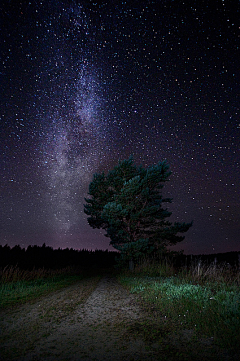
(93, 320)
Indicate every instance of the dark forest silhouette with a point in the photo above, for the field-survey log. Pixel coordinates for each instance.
(49, 258)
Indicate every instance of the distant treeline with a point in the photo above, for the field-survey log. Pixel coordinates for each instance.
(229, 258)
(49, 258)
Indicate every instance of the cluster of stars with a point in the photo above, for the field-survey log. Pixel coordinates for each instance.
(85, 85)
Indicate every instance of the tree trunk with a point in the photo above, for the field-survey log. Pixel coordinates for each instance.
(131, 265)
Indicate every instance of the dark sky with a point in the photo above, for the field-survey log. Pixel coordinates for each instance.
(85, 84)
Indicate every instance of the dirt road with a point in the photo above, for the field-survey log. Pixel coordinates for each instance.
(91, 320)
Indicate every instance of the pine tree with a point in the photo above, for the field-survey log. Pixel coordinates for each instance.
(128, 204)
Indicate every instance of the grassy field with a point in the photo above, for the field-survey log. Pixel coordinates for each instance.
(203, 299)
(19, 286)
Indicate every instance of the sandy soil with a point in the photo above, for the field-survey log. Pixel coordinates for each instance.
(91, 320)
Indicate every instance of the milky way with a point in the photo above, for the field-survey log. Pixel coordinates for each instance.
(87, 83)
(75, 131)
(71, 152)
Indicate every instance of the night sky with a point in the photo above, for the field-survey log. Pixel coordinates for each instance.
(86, 84)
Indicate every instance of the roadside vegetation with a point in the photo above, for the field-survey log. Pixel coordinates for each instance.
(27, 274)
(20, 286)
(203, 299)
(189, 303)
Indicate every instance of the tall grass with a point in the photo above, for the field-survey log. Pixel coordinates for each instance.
(203, 273)
(14, 273)
(19, 286)
(204, 297)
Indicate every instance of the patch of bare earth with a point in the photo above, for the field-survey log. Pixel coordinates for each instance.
(93, 320)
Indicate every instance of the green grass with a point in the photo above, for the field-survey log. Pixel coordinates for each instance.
(192, 300)
(18, 287)
(15, 293)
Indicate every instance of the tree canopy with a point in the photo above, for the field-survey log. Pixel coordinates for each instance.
(128, 203)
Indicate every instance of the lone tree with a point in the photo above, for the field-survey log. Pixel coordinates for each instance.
(128, 204)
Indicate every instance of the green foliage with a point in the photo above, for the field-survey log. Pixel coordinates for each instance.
(211, 308)
(15, 293)
(134, 250)
(128, 204)
(19, 287)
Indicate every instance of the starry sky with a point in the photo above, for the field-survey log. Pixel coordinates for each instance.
(85, 84)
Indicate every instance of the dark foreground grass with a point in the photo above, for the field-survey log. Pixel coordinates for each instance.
(16, 293)
(208, 306)
(37, 283)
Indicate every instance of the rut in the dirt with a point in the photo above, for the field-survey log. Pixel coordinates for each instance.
(93, 320)
(58, 328)
(109, 303)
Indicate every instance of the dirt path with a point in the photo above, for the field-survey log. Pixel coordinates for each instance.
(77, 323)
(90, 320)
